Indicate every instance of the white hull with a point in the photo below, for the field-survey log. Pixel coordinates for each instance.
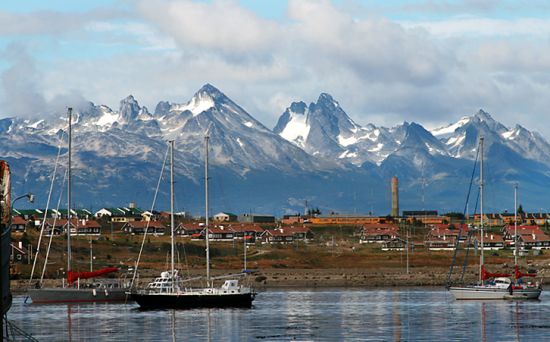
(478, 293)
(533, 293)
(488, 293)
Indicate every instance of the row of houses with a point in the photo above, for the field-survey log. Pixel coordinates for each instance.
(251, 233)
(130, 213)
(445, 236)
(217, 232)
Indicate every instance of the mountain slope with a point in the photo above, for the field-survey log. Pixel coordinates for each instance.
(316, 153)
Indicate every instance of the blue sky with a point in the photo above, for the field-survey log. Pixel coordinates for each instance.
(384, 61)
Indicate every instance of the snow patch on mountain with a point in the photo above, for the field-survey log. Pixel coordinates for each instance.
(444, 132)
(198, 104)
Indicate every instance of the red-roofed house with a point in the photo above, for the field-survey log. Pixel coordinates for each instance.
(491, 242)
(287, 235)
(249, 231)
(378, 232)
(138, 227)
(87, 227)
(434, 243)
(18, 224)
(192, 230)
(221, 233)
(529, 237)
(448, 231)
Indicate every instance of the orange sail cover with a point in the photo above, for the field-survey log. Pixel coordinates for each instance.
(73, 276)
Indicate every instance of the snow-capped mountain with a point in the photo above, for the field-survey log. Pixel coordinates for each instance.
(238, 140)
(461, 138)
(315, 153)
(127, 147)
(324, 129)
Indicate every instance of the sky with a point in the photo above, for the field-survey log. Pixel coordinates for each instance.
(385, 62)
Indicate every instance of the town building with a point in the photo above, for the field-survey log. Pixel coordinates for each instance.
(225, 217)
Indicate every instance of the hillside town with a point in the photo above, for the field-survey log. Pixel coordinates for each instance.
(413, 230)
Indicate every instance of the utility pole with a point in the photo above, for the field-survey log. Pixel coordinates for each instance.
(407, 250)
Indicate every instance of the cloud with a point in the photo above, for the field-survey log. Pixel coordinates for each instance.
(21, 92)
(52, 22)
(222, 26)
(380, 70)
(465, 6)
(476, 28)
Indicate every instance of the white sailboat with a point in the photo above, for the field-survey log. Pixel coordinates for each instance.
(168, 290)
(72, 291)
(521, 290)
(491, 286)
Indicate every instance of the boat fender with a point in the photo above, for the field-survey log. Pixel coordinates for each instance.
(106, 293)
(94, 293)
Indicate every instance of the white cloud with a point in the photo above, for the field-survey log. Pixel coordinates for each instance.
(380, 71)
(478, 27)
(222, 26)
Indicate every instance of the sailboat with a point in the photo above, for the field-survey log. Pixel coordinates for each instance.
(73, 291)
(521, 290)
(491, 285)
(168, 290)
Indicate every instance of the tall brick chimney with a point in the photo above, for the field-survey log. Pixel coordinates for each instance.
(394, 197)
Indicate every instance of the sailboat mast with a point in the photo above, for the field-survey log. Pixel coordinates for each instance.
(70, 112)
(515, 225)
(481, 256)
(172, 213)
(206, 138)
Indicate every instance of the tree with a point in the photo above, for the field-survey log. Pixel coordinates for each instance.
(520, 210)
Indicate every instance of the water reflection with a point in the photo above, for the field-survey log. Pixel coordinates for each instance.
(320, 315)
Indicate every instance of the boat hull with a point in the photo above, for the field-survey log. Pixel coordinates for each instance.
(189, 301)
(524, 294)
(75, 295)
(477, 293)
(484, 293)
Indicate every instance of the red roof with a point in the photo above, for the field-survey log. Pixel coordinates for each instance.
(246, 228)
(380, 226)
(144, 224)
(524, 230)
(294, 230)
(278, 232)
(18, 220)
(74, 223)
(488, 238)
(534, 237)
(191, 226)
(219, 230)
(448, 226)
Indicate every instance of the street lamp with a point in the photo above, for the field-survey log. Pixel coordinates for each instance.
(29, 195)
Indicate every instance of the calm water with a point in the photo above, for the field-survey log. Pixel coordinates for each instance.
(302, 315)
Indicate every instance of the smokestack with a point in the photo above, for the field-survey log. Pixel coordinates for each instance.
(394, 197)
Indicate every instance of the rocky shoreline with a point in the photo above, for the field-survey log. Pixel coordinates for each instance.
(330, 277)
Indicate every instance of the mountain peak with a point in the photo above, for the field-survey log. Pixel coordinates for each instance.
(327, 100)
(129, 108)
(483, 115)
(211, 91)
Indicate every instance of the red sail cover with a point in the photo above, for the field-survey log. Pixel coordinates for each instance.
(487, 275)
(519, 274)
(73, 276)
